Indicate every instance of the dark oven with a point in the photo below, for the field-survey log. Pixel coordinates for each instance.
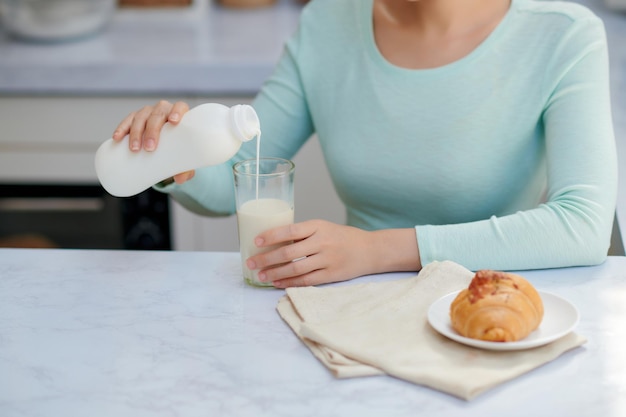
(82, 217)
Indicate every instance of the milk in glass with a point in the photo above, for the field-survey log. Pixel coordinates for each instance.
(254, 217)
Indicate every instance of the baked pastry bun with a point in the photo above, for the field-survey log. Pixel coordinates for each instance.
(497, 307)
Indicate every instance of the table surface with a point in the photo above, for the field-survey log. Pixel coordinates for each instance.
(124, 333)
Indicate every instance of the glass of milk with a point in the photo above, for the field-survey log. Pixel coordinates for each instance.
(264, 198)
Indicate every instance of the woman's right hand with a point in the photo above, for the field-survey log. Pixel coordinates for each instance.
(144, 126)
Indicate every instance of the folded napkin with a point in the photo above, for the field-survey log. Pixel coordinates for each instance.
(382, 328)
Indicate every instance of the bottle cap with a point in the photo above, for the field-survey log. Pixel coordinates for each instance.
(245, 122)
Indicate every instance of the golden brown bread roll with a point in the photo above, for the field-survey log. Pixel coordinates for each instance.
(497, 307)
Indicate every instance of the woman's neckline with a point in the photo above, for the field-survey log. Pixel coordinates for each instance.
(368, 26)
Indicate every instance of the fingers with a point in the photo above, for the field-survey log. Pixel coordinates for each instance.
(291, 260)
(143, 127)
(311, 253)
(283, 255)
(137, 127)
(177, 112)
(289, 233)
(300, 272)
(154, 121)
(284, 235)
(283, 262)
(184, 176)
(123, 128)
(313, 278)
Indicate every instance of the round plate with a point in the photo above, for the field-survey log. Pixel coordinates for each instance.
(559, 318)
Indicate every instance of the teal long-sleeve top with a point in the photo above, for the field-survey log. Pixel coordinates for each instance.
(504, 159)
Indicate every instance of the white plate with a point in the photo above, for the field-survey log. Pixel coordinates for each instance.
(559, 318)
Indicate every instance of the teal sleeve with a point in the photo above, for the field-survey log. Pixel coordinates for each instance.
(573, 226)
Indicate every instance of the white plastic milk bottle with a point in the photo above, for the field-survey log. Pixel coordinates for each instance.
(208, 134)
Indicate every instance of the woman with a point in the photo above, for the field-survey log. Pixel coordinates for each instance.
(477, 131)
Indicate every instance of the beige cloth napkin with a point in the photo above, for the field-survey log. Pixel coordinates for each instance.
(382, 328)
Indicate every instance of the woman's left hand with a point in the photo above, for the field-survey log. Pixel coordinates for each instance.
(321, 252)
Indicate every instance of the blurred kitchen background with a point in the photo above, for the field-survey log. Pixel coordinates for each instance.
(70, 70)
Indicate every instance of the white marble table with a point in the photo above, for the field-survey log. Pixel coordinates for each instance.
(120, 333)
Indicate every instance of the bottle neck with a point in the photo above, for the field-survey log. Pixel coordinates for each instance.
(245, 123)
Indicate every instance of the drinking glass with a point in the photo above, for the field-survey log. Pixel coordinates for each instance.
(264, 200)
